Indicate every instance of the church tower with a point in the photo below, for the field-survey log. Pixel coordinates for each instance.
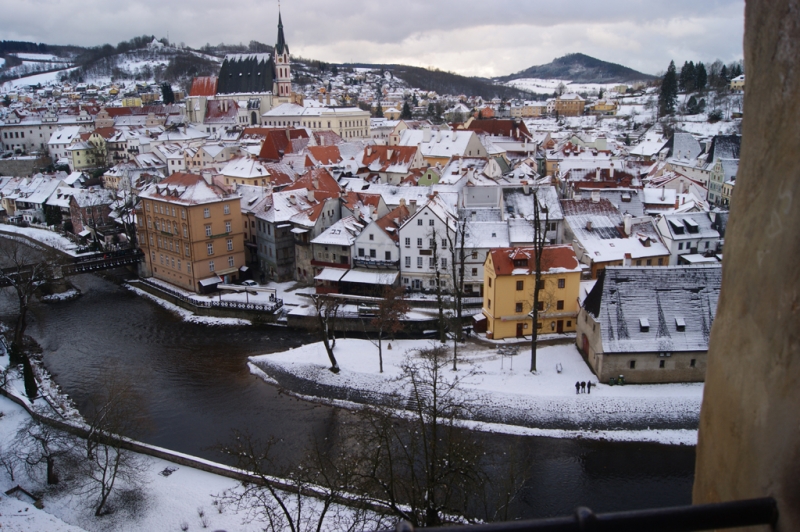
(283, 77)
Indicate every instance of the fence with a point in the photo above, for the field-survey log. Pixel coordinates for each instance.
(270, 308)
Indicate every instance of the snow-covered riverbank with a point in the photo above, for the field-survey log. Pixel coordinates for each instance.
(508, 398)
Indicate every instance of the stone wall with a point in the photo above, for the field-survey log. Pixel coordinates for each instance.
(19, 167)
(749, 441)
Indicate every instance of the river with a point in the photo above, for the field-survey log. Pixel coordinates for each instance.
(198, 389)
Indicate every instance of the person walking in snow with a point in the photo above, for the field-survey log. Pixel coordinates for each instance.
(578, 387)
(589, 387)
(583, 386)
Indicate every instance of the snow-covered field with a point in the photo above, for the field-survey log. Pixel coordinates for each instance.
(44, 79)
(548, 86)
(40, 57)
(505, 391)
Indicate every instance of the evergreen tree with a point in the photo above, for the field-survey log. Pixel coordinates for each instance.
(167, 96)
(431, 111)
(723, 75)
(692, 107)
(379, 110)
(668, 95)
(414, 100)
(700, 76)
(600, 94)
(405, 114)
(686, 81)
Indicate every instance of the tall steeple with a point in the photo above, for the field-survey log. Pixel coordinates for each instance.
(283, 77)
(280, 46)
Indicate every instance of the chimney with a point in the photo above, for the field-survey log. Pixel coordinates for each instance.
(611, 171)
(663, 193)
(292, 199)
(597, 174)
(627, 221)
(310, 196)
(327, 99)
(426, 134)
(315, 182)
(595, 196)
(412, 206)
(369, 151)
(389, 154)
(627, 261)
(320, 97)
(588, 225)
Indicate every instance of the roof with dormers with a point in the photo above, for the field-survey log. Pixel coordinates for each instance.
(521, 260)
(187, 189)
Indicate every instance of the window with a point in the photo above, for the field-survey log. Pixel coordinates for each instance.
(226, 209)
(490, 303)
(490, 282)
(430, 222)
(540, 306)
(518, 308)
(161, 258)
(153, 256)
(419, 242)
(147, 206)
(183, 213)
(371, 236)
(419, 221)
(474, 254)
(706, 245)
(419, 262)
(680, 246)
(662, 363)
(372, 253)
(208, 230)
(408, 262)
(431, 263)
(559, 305)
(444, 243)
(520, 285)
(387, 255)
(692, 363)
(211, 265)
(230, 262)
(360, 252)
(179, 264)
(649, 262)
(408, 242)
(541, 285)
(569, 323)
(639, 262)
(632, 364)
(152, 241)
(562, 283)
(185, 232)
(444, 263)
(431, 243)
(210, 247)
(206, 213)
(230, 244)
(660, 262)
(228, 227)
(186, 249)
(474, 272)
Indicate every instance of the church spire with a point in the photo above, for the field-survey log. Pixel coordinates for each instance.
(281, 46)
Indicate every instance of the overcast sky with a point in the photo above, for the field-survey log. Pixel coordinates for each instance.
(471, 37)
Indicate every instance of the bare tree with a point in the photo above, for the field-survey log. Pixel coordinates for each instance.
(308, 499)
(539, 241)
(114, 412)
(391, 310)
(24, 269)
(423, 466)
(38, 443)
(327, 309)
(456, 239)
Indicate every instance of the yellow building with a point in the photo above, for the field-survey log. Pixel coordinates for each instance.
(570, 104)
(132, 101)
(508, 290)
(191, 232)
(737, 83)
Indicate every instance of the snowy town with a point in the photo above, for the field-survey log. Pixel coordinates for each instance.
(230, 270)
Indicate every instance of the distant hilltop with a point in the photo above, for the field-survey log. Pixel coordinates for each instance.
(581, 68)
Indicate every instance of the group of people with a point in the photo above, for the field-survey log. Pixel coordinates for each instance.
(583, 387)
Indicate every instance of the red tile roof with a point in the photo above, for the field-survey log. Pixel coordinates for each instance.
(325, 154)
(320, 181)
(276, 143)
(502, 127)
(394, 219)
(553, 257)
(204, 86)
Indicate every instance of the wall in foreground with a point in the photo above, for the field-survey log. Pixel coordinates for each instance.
(749, 442)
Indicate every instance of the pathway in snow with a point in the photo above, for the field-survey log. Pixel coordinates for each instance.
(508, 398)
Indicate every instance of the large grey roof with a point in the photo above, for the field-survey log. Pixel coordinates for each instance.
(661, 295)
(244, 73)
(684, 146)
(723, 147)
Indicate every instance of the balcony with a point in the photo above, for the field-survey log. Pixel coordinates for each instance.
(368, 262)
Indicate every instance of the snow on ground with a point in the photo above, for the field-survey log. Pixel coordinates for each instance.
(44, 236)
(40, 57)
(72, 293)
(290, 292)
(507, 392)
(187, 315)
(44, 79)
(549, 86)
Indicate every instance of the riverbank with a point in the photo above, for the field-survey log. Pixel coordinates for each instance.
(506, 397)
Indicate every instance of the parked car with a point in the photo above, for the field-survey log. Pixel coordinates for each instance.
(249, 283)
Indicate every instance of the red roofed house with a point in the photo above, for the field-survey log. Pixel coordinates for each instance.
(390, 164)
(509, 280)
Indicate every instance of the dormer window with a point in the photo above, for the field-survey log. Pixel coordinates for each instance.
(520, 263)
(644, 325)
(680, 323)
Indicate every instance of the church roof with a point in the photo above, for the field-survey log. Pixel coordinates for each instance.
(246, 73)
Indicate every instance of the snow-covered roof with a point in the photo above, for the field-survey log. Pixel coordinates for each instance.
(342, 233)
(666, 297)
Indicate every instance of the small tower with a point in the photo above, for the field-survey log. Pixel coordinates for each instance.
(283, 74)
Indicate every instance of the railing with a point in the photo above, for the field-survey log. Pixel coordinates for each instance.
(732, 514)
(271, 307)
